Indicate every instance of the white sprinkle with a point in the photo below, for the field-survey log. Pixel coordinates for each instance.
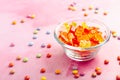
(30, 44)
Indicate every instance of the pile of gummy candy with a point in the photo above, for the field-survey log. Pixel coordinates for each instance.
(83, 36)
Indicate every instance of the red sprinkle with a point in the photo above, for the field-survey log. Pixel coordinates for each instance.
(49, 46)
(76, 76)
(118, 77)
(11, 64)
(118, 58)
(106, 61)
(27, 77)
(49, 55)
(98, 72)
(42, 70)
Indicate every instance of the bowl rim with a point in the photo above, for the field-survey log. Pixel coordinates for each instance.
(83, 20)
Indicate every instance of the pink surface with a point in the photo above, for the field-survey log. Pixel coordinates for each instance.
(48, 15)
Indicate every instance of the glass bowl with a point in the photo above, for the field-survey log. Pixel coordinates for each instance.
(80, 53)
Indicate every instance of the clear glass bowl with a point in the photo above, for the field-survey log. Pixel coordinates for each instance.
(78, 53)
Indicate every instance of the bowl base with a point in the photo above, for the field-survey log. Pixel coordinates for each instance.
(77, 57)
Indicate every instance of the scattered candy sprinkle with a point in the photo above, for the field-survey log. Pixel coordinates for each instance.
(94, 74)
(25, 59)
(12, 45)
(11, 64)
(42, 70)
(96, 8)
(85, 14)
(114, 34)
(72, 8)
(49, 46)
(34, 36)
(33, 16)
(76, 75)
(98, 72)
(22, 21)
(96, 12)
(35, 32)
(30, 44)
(105, 13)
(27, 77)
(74, 3)
(57, 71)
(38, 55)
(118, 37)
(38, 29)
(28, 16)
(12, 71)
(71, 5)
(47, 32)
(42, 45)
(14, 23)
(90, 7)
(74, 72)
(48, 55)
(43, 78)
(97, 69)
(83, 9)
(82, 74)
(118, 77)
(106, 61)
(119, 62)
(118, 58)
(18, 58)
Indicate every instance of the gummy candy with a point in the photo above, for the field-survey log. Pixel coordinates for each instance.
(74, 24)
(83, 36)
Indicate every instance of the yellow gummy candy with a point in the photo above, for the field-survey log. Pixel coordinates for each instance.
(99, 37)
(67, 26)
(85, 44)
(74, 24)
(84, 25)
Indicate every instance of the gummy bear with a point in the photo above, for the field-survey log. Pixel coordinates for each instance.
(84, 25)
(79, 30)
(85, 43)
(63, 37)
(74, 24)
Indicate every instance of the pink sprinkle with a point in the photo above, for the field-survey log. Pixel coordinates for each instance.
(118, 37)
(74, 3)
(12, 45)
(28, 16)
(71, 5)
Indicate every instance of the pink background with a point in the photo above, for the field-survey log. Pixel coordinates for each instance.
(48, 14)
